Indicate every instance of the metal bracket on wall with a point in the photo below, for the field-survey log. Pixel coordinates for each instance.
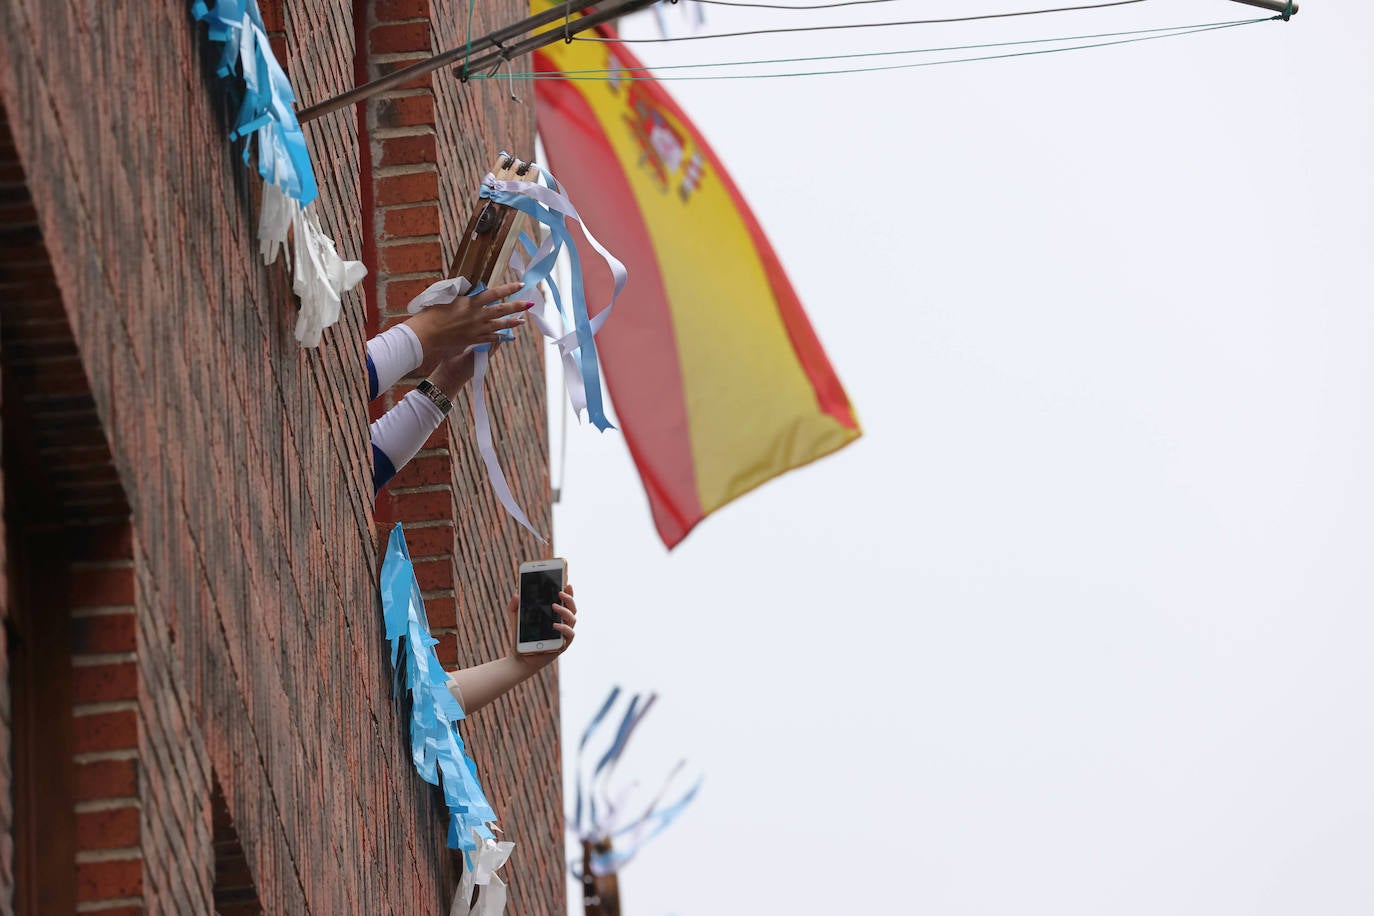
(488, 51)
(1285, 8)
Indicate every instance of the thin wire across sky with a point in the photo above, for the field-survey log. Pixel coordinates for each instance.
(1088, 41)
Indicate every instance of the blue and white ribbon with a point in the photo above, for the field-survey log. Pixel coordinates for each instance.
(266, 112)
(643, 830)
(550, 207)
(320, 277)
(595, 822)
(436, 747)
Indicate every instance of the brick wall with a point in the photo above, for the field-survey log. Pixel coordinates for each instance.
(431, 141)
(229, 635)
(12, 175)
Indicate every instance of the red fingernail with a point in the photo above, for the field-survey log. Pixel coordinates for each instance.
(528, 306)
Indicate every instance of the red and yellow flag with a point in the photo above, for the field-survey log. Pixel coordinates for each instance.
(717, 377)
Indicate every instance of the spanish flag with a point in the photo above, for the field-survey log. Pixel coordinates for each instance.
(717, 377)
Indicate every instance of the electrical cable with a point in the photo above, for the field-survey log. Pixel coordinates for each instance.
(830, 6)
(467, 53)
(933, 63)
(534, 74)
(860, 25)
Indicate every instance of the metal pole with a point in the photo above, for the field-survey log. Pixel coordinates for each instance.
(534, 43)
(1274, 6)
(452, 56)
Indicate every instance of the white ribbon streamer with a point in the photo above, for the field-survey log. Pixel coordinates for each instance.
(487, 449)
(480, 872)
(551, 325)
(320, 277)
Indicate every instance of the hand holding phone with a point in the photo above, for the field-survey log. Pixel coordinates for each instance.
(540, 583)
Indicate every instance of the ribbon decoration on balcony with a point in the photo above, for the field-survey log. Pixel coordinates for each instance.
(320, 276)
(436, 747)
(512, 192)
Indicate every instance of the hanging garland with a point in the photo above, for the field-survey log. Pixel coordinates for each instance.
(436, 748)
(319, 276)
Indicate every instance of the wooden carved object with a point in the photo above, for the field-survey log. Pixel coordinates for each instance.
(493, 229)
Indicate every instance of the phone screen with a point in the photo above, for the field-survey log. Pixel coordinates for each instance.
(538, 592)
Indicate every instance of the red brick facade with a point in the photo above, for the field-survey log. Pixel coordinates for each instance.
(196, 712)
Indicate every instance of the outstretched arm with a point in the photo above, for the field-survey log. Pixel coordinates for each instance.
(477, 686)
(440, 332)
(401, 432)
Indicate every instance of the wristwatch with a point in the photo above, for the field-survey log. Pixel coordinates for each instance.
(432, 392)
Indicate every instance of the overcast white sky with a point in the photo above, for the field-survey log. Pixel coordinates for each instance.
(1084, 624)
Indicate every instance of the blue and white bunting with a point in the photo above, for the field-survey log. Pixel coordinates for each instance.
(436, 747)
(267, 123)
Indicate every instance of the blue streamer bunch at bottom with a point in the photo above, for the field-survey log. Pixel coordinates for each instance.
(436, 747)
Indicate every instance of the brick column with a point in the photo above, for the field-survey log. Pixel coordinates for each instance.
(6, 799)
(109, 860)
(400, 137)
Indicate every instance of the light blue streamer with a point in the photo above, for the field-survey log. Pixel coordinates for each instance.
(547, 278)
(604, 863)
(267, 113)
(655, 818)
(582, 745)
(436, 748)
(586, 341)
(623, 732)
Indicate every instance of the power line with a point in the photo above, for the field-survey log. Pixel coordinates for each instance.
(828, 6)
(860, 25)
(932, 63)
(607, 71)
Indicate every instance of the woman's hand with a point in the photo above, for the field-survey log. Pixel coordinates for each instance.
(565, 608)
(448, 330)
(478, 686)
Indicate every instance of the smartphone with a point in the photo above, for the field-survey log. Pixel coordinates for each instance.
(540, 583)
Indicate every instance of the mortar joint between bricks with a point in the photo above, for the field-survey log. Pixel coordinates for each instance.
(106, 804)
(406, 168)
(94, 659)
(392, 243)
(105, 610)
(403, 93)
(427, 488)
(109, 903)
(99, 708)
(120, 854)
(392, 133)
(391, 57)
(430, 275)
(437, 522)
(127, 753)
